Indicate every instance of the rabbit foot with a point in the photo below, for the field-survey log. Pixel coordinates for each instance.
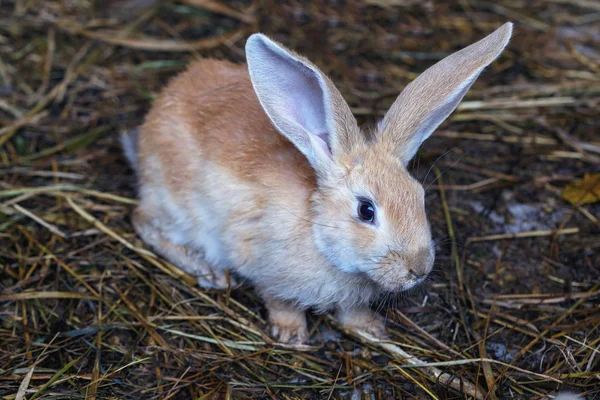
(288, 323)
(294, 333)
(363, 319)
(216, 280)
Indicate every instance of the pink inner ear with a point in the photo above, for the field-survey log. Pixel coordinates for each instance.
(323, 140)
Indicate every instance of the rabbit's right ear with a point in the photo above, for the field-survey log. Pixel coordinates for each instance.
(427, 101)
(301, 102)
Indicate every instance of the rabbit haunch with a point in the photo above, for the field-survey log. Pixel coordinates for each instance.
(262, 171)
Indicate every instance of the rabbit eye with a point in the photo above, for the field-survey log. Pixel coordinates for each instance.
(366, 210)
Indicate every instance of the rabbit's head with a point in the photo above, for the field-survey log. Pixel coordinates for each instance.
(368, 211)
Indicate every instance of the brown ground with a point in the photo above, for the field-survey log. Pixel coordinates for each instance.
(100, 319)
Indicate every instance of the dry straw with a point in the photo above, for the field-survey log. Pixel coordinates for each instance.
(87, 311)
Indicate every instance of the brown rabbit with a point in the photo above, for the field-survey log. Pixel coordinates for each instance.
(263, 171)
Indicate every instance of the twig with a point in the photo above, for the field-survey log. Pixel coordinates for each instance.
(478, 360)
(434, 373)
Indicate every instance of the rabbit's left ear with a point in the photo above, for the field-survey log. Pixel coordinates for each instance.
(427, 101)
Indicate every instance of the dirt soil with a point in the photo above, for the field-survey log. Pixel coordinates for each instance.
(511, 312)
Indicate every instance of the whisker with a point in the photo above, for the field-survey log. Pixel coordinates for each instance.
(442, 173)
(435, 162)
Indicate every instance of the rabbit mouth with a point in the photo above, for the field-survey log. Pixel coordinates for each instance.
(412, 283)
(387, 283)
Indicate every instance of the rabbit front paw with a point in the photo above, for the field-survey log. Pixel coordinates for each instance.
(288, 323)
(289, 333)
(363, 319)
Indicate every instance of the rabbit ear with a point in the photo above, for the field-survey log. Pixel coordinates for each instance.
(301, 102)
(427, 101)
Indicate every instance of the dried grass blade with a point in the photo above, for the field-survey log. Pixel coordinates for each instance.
(164, 44)
(71, 144)
(218, 8)
(50, 227)
(45, 295)
(26, 120)
(135, 312)
(416, 382)
(488, 374)
(99, 225)
(60, 373)
(228, 343)
(540, 233)
(24, 384)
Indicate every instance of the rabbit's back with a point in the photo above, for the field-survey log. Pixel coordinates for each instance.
(210, 113)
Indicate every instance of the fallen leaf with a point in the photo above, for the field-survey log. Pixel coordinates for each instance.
(583, 191)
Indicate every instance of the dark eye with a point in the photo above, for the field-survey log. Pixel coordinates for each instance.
(366, 211)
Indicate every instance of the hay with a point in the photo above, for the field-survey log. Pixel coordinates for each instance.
(87, 311)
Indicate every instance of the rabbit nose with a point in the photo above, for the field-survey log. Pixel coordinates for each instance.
(420, 263)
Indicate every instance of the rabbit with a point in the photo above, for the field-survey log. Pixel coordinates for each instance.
(260, 174)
